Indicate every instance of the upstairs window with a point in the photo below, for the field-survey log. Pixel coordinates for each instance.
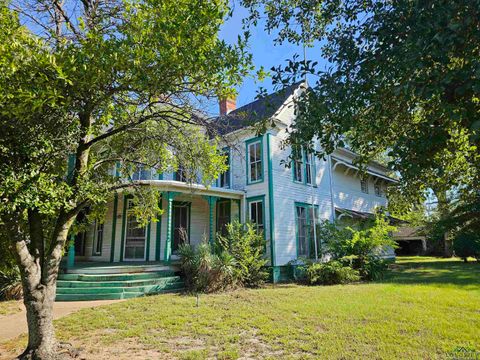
(180, 174)
(142, 173)
(255, 161)
(378, 190)
(297, 165)
(364, 185)
(308, 168)
(224, 179)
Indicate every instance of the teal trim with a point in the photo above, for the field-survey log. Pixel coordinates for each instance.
(309, 221)
(239, 210)
(158, 240)
(271, 206)
(71, 253)
(247, 144)
(117, 169)
(160, 176)
(147, 250)
(124, 216)
(114, 228)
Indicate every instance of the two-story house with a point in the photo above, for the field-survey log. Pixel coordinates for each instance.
(281, 200)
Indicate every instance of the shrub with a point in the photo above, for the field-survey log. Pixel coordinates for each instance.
(10, 284)
(466, 244)
(246, 246)
(361, 248)
(330, 273)
(205, 271)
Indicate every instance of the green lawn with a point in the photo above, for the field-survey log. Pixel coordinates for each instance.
(424, 309)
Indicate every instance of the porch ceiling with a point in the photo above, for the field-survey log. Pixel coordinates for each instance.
(178, 186)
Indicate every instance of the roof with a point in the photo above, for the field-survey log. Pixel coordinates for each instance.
(409, 232)
(254, 112)
(366, 215)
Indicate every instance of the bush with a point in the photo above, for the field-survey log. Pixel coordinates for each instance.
(361, 248)
(330, 273)
(246, 246)
(205, 271)
(466, 244)
(10, 284)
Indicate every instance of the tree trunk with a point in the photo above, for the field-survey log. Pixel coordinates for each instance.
(38, 302)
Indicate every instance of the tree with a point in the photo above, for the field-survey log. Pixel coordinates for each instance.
(402, 78)
(110, 87)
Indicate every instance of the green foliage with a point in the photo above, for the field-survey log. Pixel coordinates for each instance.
(246, 246)
(330, 273)
(205, 271)
(10, 284)
(467, 244)
(402, 80)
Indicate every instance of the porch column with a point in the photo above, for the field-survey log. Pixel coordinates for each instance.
(168, 241)
(212, 200)
(71, 252)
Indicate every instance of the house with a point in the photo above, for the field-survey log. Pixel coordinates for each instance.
(282, 201)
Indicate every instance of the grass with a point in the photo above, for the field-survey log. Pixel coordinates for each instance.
(423, 309)
(10, 307)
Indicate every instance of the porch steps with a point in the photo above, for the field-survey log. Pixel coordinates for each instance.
(78, 287)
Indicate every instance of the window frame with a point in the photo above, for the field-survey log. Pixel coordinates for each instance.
(95, 251)
(298, 162)
(309, 163)
(308, 212)
(227, 174)
(378, 193)
(256, 200)
(248, 143)
(306, 160)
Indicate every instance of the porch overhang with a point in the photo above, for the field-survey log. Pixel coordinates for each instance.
(337, 162)
(197, 189)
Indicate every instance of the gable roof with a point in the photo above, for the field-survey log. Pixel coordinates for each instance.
(254, 112)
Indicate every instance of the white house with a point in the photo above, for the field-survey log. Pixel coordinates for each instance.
(258, 187)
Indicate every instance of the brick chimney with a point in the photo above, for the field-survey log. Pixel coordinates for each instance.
(227, 105)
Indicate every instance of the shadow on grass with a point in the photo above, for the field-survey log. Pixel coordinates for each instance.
(442, 273)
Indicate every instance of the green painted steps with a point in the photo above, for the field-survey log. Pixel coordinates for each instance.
(82, 287)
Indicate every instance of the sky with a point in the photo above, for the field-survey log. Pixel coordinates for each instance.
(265, 53)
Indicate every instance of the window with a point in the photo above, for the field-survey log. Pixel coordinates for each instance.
(98, 239)
(304, 215)
(142, 174)
(303, 166)
(364, 185)
(180, 174)
(223, 216)
(308, 168)
(378, 190)
(297, 165)
(255, 163)
(135, 236)
(224, 179)
(256, 213)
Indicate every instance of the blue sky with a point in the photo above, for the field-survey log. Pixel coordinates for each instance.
(264, 53)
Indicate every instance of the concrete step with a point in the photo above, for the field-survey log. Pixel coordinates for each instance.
(108, 296)
(147, 289)
(126, 283)
(117, 277)
(119, 269)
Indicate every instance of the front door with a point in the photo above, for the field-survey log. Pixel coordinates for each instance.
(223, 216)
(181, 219)
(134, 237)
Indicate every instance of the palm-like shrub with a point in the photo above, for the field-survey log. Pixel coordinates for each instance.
(10, 284)
(205, 271)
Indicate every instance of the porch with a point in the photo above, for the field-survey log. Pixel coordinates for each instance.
(190, 214)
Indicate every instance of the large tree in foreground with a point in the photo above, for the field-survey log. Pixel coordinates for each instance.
(403, 77)
(108, 85)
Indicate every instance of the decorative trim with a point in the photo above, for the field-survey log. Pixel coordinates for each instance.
(247, 158)
(271, 208)
(114, 227)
